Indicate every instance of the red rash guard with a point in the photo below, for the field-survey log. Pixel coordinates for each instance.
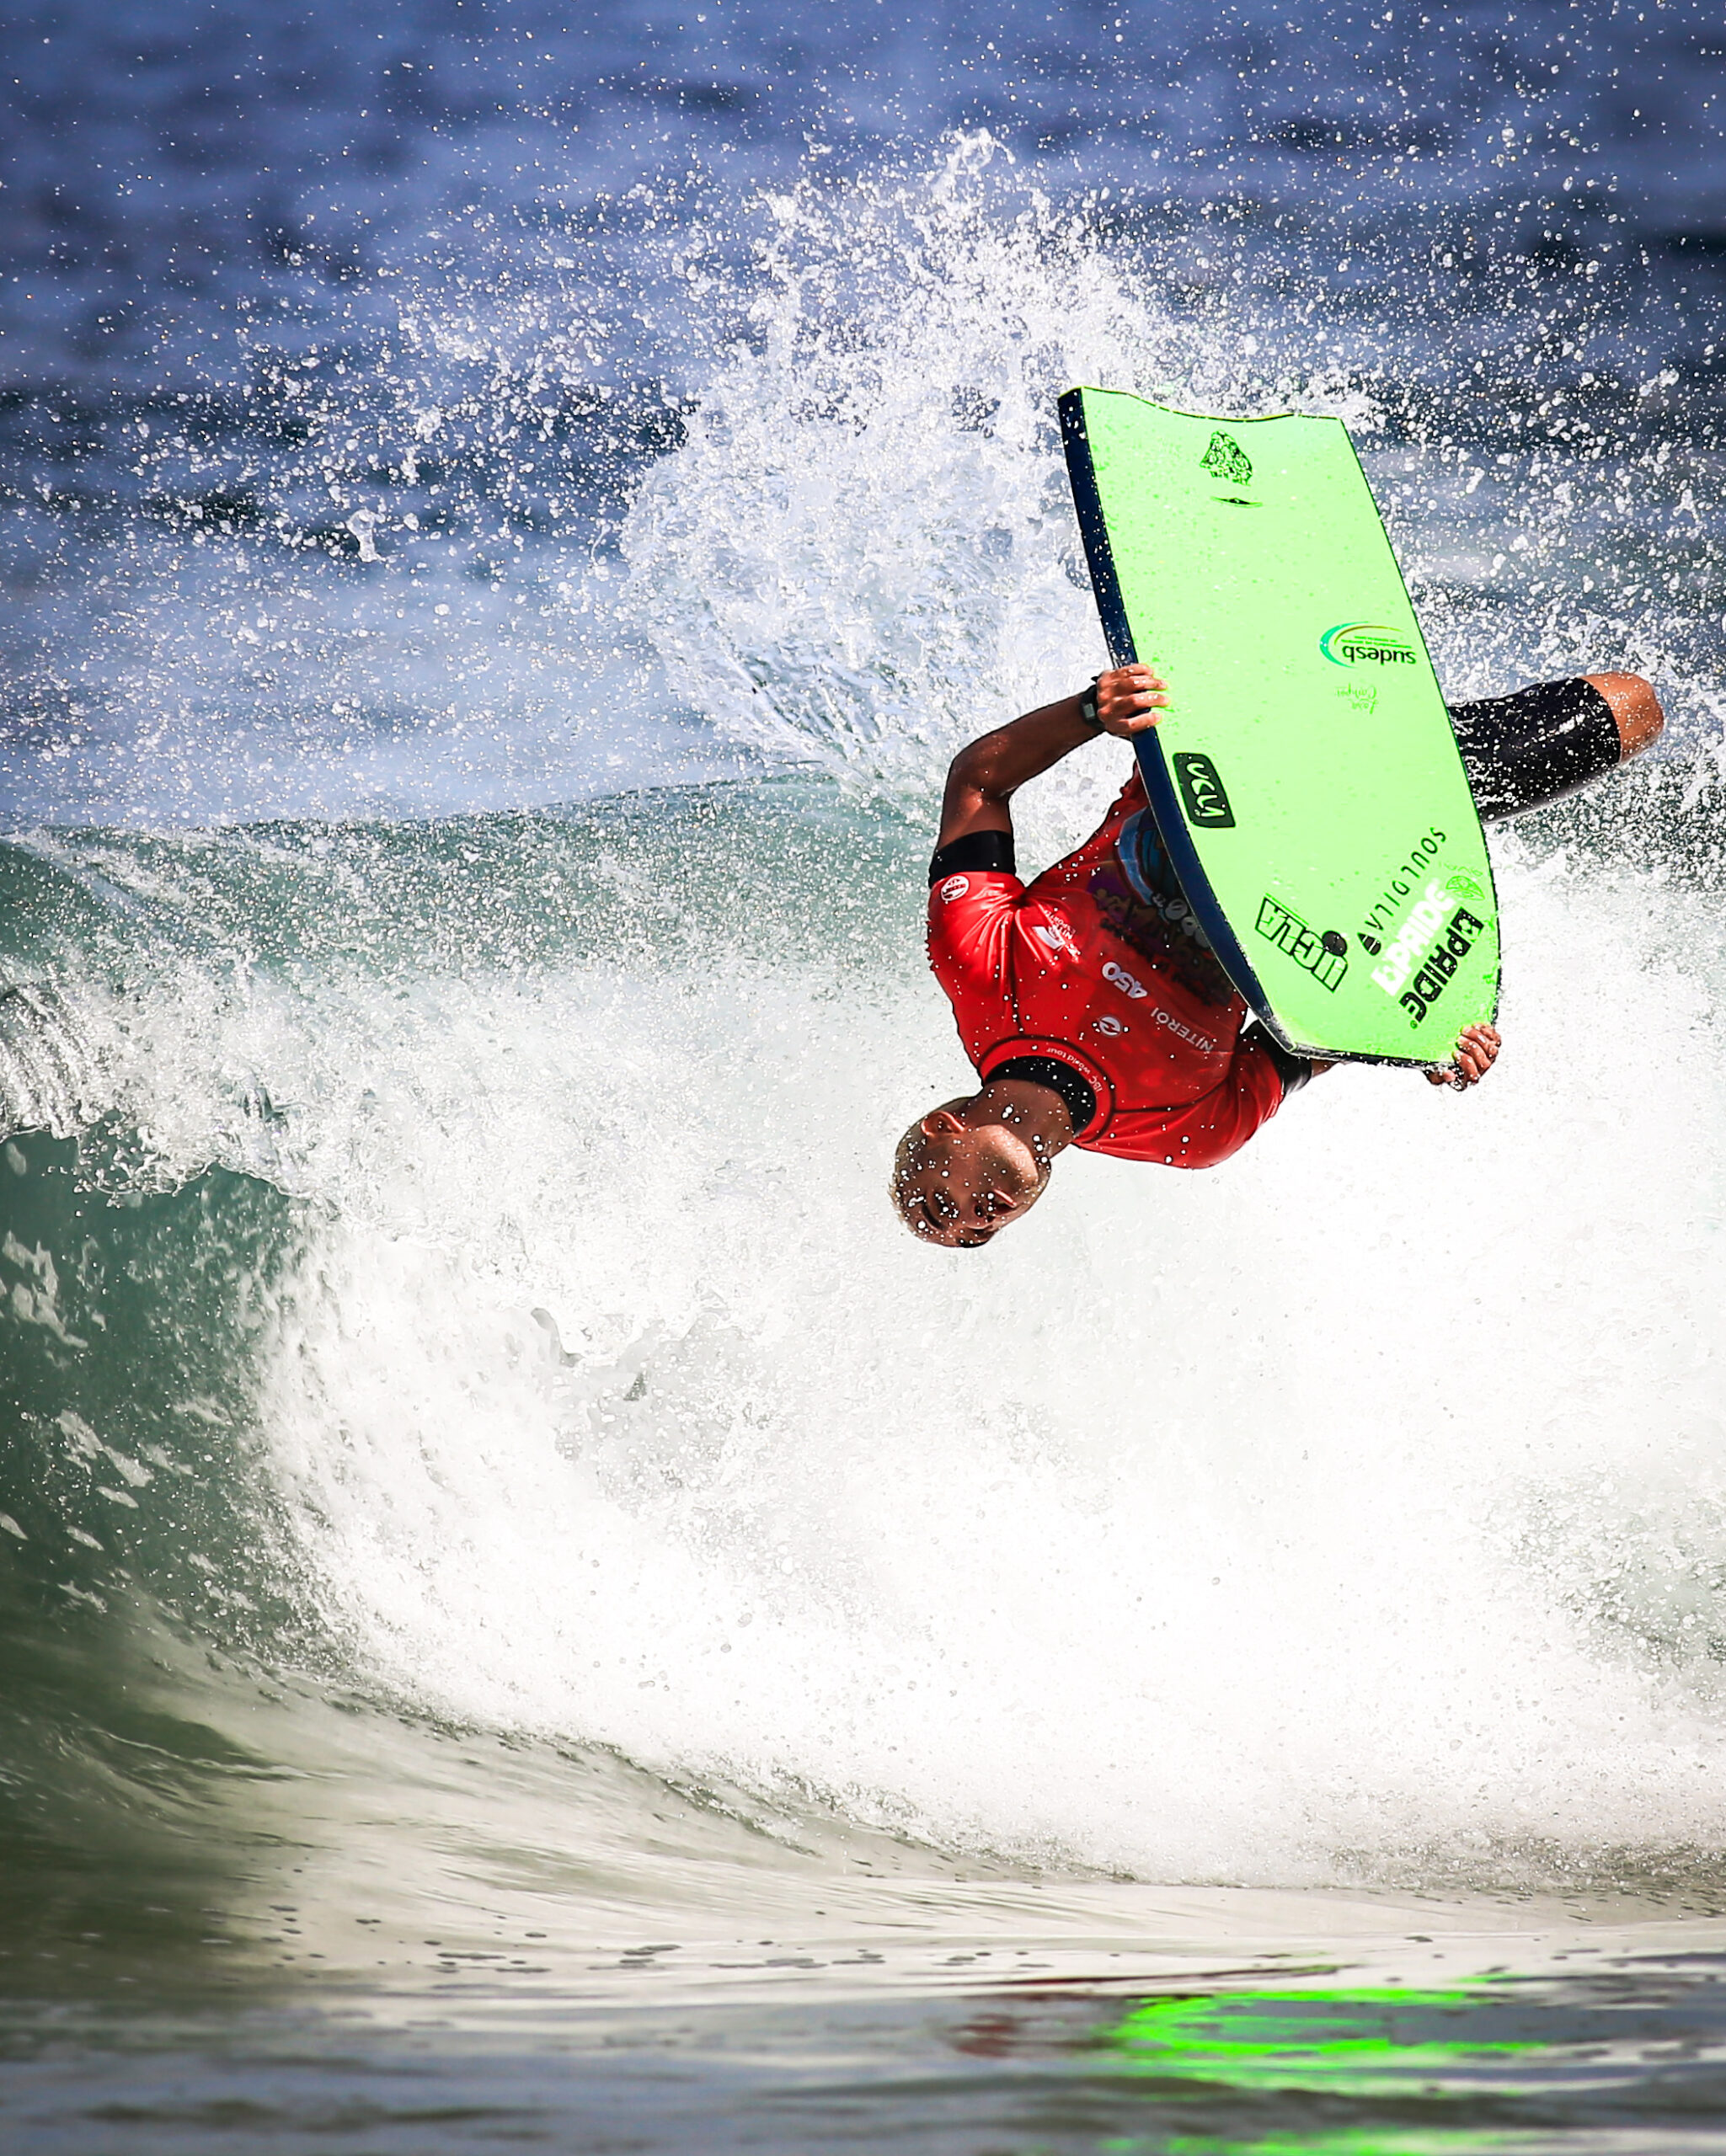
(1043, 971)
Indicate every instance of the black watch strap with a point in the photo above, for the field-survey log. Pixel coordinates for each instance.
(1087, 704)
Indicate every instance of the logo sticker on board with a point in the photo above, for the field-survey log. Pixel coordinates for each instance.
(1203, 795)
(1225, 459)
(1324, 957)
(1438, 964)
(1425, 918)
(1366, 643)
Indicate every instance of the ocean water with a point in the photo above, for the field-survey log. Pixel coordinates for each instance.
(531, 1611)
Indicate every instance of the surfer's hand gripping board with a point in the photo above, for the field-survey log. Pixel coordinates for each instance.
(1477, 1051)
(1130, 699)
(1303, 774)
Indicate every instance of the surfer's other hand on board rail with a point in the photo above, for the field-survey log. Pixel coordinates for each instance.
(1477, 1051)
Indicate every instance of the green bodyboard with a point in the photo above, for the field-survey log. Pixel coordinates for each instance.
(1306, 781)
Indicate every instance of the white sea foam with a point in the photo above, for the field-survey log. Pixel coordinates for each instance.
(866, 552)
(1358, 1503)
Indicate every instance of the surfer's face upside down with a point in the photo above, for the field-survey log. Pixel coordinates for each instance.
(958, 1182)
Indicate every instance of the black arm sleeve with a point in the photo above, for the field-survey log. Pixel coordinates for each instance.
(1293, 1070)
(975, 850)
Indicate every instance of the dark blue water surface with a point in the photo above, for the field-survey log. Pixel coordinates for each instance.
(273, 283)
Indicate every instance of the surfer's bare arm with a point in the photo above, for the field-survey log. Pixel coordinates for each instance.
(1477, 1051)
(986, 773)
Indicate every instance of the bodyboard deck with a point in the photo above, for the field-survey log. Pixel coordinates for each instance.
(1305, 781)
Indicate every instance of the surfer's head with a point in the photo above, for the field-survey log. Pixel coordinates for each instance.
(961, 1175)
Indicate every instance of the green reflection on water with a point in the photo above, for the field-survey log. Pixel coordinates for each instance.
(1353, 2041)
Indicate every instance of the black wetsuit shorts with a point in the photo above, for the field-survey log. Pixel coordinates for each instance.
(1521, 752)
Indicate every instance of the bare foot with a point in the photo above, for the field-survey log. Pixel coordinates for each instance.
(1634, 707)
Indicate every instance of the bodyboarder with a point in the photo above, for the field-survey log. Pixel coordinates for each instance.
(1090, 1003)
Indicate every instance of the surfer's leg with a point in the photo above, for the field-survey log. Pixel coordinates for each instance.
(1523, 750)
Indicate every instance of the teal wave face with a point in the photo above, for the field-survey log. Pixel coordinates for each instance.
(452, 1197)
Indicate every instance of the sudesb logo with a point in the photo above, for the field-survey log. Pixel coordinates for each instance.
(1369, 643)
(1203, 795)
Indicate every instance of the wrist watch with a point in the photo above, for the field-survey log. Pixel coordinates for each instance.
(1087, 704)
